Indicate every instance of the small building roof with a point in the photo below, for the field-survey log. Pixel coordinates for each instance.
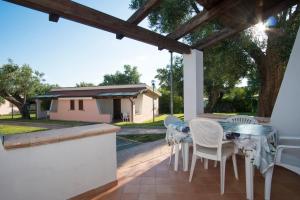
(99, 91)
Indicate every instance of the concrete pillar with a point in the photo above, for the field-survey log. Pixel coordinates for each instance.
(286, 113)
(193, 84)
(38, 109)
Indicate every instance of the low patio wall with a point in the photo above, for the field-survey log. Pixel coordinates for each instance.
(58, 164)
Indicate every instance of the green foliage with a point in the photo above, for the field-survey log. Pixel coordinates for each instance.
(2, 100)
(164, 102)
(84, 84)
(168, 14)
(129, 76)
(163, 75)
(19, 83)
(238, 100)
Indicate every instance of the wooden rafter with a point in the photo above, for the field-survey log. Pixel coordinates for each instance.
(141, 13)
(227, 32)
(82, 14)
(202, 18)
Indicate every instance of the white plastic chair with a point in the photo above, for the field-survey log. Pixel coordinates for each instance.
(171, 120)
(125, 117)
(242, 119)
(287, 156)
(208, 143)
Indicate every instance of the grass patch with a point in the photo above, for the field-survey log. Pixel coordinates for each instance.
(143, 138)
(15, 116)
(18, 118)
(158, 122)
(11, 129)
(232, 114)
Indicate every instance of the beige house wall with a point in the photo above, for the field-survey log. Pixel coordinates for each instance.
(5, 108)
(144, 107)
(89, 114)
(101, 110)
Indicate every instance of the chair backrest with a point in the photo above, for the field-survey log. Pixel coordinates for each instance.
(170, 119)
(206, 133)
(242, 119)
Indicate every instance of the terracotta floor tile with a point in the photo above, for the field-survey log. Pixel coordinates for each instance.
(132, 189)
(149, 189)
(147, 181)
(156, 180)
(130, 196)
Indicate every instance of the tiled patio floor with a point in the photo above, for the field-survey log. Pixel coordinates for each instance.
(155, 180)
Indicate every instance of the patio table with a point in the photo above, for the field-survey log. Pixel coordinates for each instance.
(257, 142)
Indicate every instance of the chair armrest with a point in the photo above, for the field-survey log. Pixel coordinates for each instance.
(280, 148)
(226, 141)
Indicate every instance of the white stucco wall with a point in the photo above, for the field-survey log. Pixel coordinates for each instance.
(5, 108)
(145, 112)
(59, 170)
(286, 113)
(193, 84)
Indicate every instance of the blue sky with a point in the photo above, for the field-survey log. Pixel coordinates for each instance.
(68, 52)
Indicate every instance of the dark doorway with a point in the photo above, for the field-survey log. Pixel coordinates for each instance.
(117, 109)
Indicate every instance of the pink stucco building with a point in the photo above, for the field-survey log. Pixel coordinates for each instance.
(100, 104)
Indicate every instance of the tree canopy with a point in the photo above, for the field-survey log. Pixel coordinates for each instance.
(84, 84)
(19, 83)
(263, 63)
(129, 76)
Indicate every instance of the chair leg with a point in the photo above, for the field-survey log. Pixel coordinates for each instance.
(171, 154)
(176, 157)
(222, 174)
(216, 163)
(194, 159)
(205, 163)
(235, 167)
(268, 183)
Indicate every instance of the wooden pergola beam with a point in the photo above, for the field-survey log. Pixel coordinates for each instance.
(227, 32)
(202, 18)
(141, 13)
(85, 15)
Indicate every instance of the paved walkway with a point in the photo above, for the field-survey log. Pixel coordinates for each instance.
(142, 153)
(134, 131)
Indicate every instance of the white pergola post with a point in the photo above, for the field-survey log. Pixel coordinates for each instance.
(193, 84)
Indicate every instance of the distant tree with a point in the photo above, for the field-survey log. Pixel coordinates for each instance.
(2, 101)
(129, 76)
(19, 83)
(84, 84)
(269, 57)
(163, 75)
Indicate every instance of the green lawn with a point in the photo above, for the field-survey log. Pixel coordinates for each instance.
(230, 114)
(17, 118)
(144, 137)
(11, 129)
(158, 122)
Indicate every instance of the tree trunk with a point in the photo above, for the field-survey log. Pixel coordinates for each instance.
(271, 70)
(212, 100)
(24, 111)
(22, 107)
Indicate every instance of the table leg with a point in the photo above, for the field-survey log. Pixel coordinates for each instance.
(185, 156)
(249, 177)
(268, 183)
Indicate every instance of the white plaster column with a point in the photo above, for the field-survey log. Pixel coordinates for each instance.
(286, 113)
(193, 84)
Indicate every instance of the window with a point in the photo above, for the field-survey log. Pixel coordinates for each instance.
(80, 104)
(72, 105)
